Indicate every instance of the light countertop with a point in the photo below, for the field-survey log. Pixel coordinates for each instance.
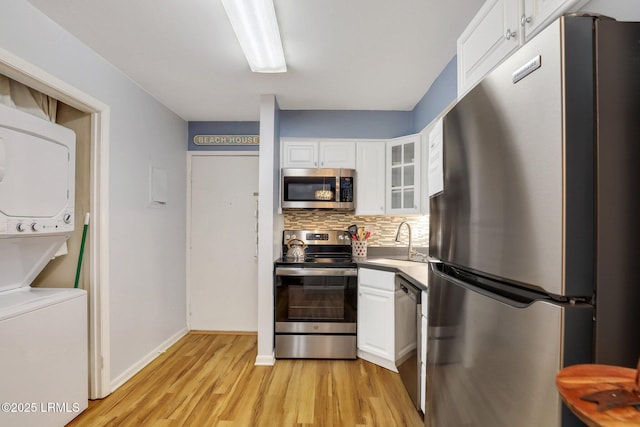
(413, 271)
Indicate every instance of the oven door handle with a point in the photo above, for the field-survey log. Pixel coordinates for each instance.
(288, 271)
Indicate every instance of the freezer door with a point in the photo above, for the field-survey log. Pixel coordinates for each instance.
(494, 364)
(518, 194)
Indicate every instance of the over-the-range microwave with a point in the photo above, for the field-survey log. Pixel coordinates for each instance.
(318, 189)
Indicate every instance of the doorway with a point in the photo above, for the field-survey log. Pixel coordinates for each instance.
(222, 253)
(98, 269)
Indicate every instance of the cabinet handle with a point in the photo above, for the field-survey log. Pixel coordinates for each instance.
(510, 34)
(525, 20)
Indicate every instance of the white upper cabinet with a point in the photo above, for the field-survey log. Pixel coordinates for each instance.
(370, 179)
(337, 154)
(299, 154)
(489, 38)
(318, 154)
(498, 29)
(403, 175)
(431, 131)
(539, 13)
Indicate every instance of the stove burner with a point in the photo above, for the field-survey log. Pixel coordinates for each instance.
(323, 248)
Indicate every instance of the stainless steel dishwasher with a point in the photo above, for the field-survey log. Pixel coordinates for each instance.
(408, 325)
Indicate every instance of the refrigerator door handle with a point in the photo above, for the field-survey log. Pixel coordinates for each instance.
(493, 293)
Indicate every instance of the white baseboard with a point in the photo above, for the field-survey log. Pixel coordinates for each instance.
(377, 360)
(137, 367)
(265, 359)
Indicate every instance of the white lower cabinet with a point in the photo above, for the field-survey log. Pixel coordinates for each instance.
(376, 300)
(380, 305)
(423, 352)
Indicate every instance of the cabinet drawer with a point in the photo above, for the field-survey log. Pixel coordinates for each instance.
(378, 279)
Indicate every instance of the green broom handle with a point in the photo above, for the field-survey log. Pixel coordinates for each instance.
(84, 237)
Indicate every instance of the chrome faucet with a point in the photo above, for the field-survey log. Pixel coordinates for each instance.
(409, 248)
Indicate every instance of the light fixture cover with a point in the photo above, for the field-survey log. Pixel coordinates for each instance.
(256, 27)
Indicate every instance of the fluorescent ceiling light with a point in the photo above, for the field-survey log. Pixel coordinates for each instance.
(255, 25)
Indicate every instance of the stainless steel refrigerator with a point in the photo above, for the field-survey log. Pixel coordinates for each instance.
(536, 230)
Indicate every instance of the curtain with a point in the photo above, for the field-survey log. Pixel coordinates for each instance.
(17, 95)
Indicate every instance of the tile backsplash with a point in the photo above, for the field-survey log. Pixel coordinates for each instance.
(383, 228)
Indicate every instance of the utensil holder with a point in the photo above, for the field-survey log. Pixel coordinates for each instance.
(359, 249)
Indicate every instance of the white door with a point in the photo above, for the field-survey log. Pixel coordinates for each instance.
(223, 275)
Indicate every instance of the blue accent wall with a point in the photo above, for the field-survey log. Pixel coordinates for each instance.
(223, 128)
(345, 124)
(442, 92)
(356, 124)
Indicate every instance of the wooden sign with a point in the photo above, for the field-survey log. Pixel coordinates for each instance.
(226, 140)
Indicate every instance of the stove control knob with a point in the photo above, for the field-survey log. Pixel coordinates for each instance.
(20, 227)
(287, 237)
(341, 237)
(36, 227)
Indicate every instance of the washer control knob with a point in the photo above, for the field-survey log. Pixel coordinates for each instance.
(20, 227)
(67, 218)
(36, 227)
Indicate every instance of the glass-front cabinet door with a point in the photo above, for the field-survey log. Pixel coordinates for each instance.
(403, 175)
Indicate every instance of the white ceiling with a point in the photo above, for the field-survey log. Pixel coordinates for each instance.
(341, 54)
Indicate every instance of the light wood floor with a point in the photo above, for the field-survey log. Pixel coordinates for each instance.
(210, 380)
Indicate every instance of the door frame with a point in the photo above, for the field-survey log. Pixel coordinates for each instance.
(190, 156)
(24, 72)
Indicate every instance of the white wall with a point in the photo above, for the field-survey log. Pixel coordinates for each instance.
(270, 224)
(622, 10)
(147, 244)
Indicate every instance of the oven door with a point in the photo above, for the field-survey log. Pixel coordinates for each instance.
(315, 300)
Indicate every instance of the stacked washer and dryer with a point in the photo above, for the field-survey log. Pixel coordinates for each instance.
(43, 331)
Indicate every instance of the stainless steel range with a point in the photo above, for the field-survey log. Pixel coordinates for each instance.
(315, 297)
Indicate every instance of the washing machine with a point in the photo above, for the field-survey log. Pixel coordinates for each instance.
(43, 331)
